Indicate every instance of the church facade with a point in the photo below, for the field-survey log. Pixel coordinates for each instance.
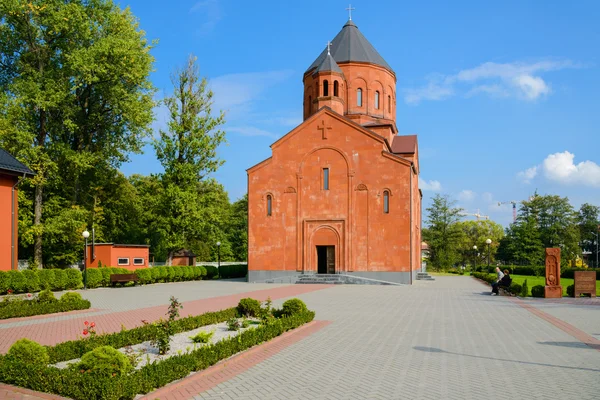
(340, 193)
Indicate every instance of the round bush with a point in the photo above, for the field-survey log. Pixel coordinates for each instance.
(105, 360)
(248, 307)
(71, 296)
(4, 282)
(516, 289)
(144, 275)
(94, 278)
(293, 306)
(60, 279)
(571, 290)
(187, 273)
(32, 280)
(202, 271)
(163, 273)
(46, 296)
(178, 274)
(18, 283)
(155, 274)
(170, 274)
(105, 276)
(30, 352)
(537, 291)
(46, 278)
(74, 279)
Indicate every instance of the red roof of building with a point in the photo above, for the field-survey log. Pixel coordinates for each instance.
(404, 144)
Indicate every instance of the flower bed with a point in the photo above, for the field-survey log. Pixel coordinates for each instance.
(106, 373)
(44, 303)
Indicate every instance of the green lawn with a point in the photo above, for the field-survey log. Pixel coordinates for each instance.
(540, 280)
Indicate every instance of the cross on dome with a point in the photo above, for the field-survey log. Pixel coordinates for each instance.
(350, 11)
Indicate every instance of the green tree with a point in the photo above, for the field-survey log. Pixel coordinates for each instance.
(238, 229)
(187, 151)
(443, 234)
(76, 100)
(589, 222)
(475, 233)
(522, 243)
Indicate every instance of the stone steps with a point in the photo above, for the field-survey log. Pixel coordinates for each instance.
(424, 276)
(339, 279)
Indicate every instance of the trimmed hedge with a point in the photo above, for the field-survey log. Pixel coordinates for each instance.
(233, 271)
(565, 272)
(71, 382)
(69, 279)
(211, 272)
(40, 306)
(538, 291)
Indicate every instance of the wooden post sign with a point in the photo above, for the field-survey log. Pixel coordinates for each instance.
(585, 283)
(553, 290)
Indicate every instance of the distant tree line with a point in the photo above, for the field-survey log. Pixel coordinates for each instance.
(542, 222)
(75, 100)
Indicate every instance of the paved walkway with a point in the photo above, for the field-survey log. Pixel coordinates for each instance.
(447, 339)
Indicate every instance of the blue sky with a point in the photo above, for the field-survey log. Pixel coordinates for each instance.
(503, 95)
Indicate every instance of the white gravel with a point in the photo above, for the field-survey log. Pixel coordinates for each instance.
(180, 344)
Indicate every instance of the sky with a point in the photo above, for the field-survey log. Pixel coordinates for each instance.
(502, 95)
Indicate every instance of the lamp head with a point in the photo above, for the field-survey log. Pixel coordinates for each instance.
(489, 241)
(474, 247)
(218, 244)
(85, 234)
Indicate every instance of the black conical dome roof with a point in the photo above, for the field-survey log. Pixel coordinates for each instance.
(351, 45)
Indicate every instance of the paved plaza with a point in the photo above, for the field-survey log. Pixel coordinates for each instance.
(446, 339)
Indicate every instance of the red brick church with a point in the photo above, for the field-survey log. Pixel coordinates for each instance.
(340, 193)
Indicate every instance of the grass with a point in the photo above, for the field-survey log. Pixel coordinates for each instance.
(540, 280)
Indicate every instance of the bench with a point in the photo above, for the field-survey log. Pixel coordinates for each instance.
(504, 291)
(123, 278)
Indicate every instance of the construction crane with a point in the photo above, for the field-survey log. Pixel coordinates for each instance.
(476, 215)
(514, 207)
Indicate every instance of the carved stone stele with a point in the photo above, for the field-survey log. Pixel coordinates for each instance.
(553, 290)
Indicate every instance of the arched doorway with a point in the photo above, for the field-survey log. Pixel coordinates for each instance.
(325, 245)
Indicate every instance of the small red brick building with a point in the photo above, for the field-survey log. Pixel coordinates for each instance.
(340, 193)
(128, 256)
(183, 258)
(10, 172)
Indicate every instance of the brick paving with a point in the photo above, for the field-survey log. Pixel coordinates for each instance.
(447, 339)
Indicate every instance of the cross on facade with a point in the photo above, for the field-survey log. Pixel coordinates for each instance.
(328, 48)
(350, 11)
(323, 129)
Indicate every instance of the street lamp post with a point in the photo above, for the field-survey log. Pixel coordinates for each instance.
(219, 255)
(474, 258)
(488, 242)
(85, 235)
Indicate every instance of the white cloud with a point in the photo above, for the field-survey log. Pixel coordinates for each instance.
(466, 196)
(516, 79)
(251, 131)
(560, 167)
(211, 9)
(527, 175)
(434, 186)
(235, 90)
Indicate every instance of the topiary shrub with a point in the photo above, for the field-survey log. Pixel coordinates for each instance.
(70, 296)
(293, 306)
(4, 282)
(74, 279)
(32, 280)
(537, 291)
(515, 288)
(571, 290)
(202, 272)
(105, 276)
(106, 361)
(170, 274)
(178, 274)
(155, 274)
(18, 283)
(211, 272)
(29, 352)
(248, 307)
(144, 275)
(94, 278)
(46, 296)
(524, 289)
(60, 279)
(46, 278)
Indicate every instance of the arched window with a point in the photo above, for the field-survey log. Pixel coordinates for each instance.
(359, 97)
(386, 202)
(389, 103)
(377, 100)
(335, 88)
(269, 205)
(325, 88)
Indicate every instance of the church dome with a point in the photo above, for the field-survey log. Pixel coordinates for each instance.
(328, 64)
(351, 46)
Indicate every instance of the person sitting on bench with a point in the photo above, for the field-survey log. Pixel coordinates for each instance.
(504, 282)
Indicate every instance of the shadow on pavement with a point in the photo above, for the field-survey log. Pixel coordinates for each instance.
(575, 345)
(435, 350)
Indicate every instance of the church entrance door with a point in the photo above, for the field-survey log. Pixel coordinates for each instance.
(326, 259)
